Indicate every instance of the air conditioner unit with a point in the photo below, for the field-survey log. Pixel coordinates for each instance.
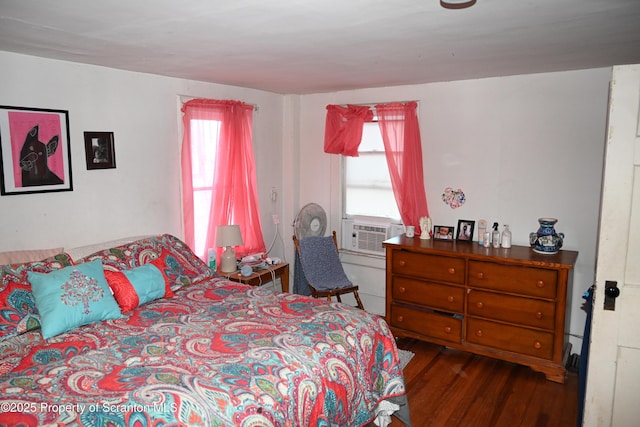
(367, 237)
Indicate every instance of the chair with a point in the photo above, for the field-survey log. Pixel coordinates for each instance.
(322, 268)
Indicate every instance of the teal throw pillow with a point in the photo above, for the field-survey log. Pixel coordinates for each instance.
(137, 286)
(148, 282)
(73, 296)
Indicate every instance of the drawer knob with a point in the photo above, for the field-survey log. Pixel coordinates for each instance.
(480, 275)
(400, 319)
(402, 289)
(450, 298)
(540, 284)
(539, 315)
(447, 329)
(452, 270)
(480, 304)
(402, 263)
(537, 345)
(479, 333)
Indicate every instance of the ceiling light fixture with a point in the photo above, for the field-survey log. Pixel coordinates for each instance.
(457, 4)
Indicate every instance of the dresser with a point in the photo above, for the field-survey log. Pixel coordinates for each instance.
(511, 304)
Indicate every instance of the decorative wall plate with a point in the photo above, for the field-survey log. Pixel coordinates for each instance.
(454, 198)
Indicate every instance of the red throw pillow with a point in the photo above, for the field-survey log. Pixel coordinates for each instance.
(123, 290)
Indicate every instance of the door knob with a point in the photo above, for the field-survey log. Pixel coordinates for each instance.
(611, 292)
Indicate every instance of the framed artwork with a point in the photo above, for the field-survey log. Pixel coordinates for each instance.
(99, 150)
(35, 150)
(465, 230)
(443, 232)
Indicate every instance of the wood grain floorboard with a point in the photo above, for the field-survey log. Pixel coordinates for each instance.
(452, 388)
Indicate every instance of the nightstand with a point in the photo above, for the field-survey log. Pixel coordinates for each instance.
(264, 275)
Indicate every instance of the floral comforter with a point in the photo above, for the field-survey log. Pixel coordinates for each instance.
(217, 354)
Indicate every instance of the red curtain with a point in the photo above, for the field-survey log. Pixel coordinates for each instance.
(234, 189)
(403, 148)
(343, 128)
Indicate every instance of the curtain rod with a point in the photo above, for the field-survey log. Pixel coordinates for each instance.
(372, 104)
(185, 98)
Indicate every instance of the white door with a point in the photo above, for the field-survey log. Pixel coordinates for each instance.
(613, 378)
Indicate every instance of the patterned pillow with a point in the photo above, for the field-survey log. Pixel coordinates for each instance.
(196, 268)
(177, 272)
(173, 257)
(138, 286)
(18, 312)
(71, 297)
(113, 259)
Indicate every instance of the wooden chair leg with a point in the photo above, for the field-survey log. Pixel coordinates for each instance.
(359, 303)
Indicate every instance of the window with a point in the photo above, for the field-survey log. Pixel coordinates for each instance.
(363, 192)
(203, 160)
(218, 175)
(367, 189)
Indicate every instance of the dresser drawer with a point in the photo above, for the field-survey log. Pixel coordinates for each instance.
(529, 281)
(512, 309)
(431, 267)
(426, 323)
(433, 295)
(510, 338)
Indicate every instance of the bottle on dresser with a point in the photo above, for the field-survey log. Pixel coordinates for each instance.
(482, 228)
(505, 241)
(495, 236)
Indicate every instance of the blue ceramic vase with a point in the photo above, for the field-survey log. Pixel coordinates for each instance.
(546, 240)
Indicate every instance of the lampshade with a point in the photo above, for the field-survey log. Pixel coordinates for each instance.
(457, 4)
(228, 236)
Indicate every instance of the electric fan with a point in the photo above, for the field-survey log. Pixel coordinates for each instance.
(310, 221)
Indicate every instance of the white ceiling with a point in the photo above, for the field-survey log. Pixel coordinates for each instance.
(311, 46)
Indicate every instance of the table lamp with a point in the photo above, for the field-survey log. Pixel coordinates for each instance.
(228, 236)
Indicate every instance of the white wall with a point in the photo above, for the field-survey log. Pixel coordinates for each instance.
(142, 194)
(520, 147)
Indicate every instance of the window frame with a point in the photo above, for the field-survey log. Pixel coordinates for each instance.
(344, 186)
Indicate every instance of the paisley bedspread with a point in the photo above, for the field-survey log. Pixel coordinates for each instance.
(217, 354)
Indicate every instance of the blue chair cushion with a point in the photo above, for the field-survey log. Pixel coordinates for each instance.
(321, 263)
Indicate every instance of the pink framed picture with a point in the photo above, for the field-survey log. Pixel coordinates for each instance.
(35, 155)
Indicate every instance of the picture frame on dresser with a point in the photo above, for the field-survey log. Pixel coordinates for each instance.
(443, 232)
(465, 230)
(35, 154)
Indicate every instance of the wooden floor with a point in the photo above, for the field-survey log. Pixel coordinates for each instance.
(449, 388)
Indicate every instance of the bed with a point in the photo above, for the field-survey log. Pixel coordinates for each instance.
(199, 350)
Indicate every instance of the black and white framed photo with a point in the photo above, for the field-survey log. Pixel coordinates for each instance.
(35, 155)
(443, 232)
(465, 230)
(99, 150)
